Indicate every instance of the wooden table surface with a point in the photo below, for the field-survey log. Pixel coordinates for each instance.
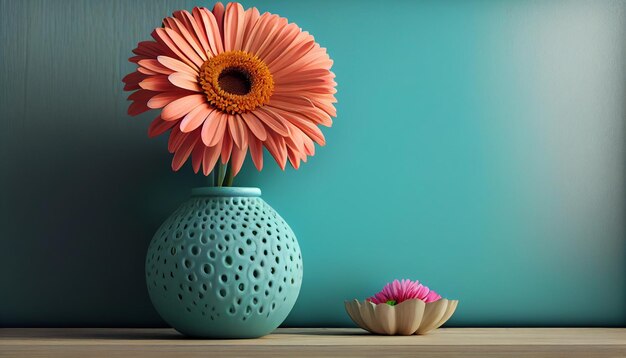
(316, 342)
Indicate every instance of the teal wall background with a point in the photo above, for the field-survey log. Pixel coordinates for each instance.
(479, 148)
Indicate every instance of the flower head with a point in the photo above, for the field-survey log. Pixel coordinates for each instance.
(230, 81)
(398, 291)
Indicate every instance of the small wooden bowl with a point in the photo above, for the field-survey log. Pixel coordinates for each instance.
(407, 318)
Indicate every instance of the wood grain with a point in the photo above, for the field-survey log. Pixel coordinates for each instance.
(317, 342)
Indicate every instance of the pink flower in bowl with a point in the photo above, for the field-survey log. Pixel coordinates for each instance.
(399, 291)
(402, 308)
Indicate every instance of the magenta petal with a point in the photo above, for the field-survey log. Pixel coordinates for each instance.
(432, 296)
(403, 290)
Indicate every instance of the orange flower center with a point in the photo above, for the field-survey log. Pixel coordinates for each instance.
(236, 82)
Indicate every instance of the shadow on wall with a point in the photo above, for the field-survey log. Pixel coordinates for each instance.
(86, 213)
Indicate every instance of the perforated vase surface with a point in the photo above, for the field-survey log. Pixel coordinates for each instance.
(224, 265)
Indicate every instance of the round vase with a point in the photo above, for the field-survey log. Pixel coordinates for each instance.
(224, 265)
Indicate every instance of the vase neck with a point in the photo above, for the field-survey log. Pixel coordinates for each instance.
(222, 191)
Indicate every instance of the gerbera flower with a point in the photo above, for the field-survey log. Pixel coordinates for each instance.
(399, 291)
(229, 81)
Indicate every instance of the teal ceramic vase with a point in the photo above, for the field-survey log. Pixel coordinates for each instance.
(224, 265)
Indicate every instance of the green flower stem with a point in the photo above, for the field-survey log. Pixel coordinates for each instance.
(229, 176)
(221, 172)
(211, 178)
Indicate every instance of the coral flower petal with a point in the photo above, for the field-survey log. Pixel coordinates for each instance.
(211, 155)
(268, 35)
(259, 33)
(140, 99)
(255, 125)
(174, 24)
(309, 146)
(294, 158)
(325, 103)
(305, 74)
(185, 81)
(148, 49)
(218, 11)
(256, 151)
(213, 128)
(304, 107)
(304, 45)
(233, 26)
(272, 120)
(132, 81)
(237, 158)
(275, 144)
(211, 28)
(146, 71)
(287, 89)
(238, 131)
(196, 117)
(296, 139)
(162, 37)
(155, 66)
(313, 59)
(137, 108)
(182, 106)
(251, 17)
(288, 102)
(196, 156)
(232, 80)
(159, 126)
(164, 98)
(186, 18)
(157, 83)
(306, 126)
(176, 65)
(176, 138)
(184, 151)
(227, 148)
(184, 46)
(283, 39)
(319, 117)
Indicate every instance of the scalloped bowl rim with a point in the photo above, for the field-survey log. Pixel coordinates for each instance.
(429, 320)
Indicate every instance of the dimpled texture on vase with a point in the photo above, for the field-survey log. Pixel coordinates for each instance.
(224, 265)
